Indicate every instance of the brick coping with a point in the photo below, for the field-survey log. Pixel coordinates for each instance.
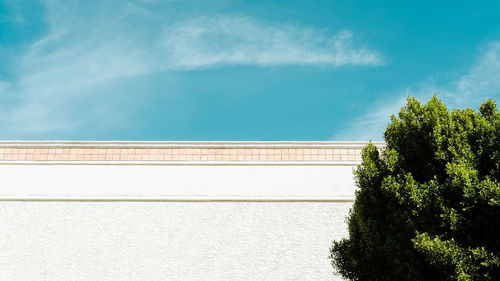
(183, 151)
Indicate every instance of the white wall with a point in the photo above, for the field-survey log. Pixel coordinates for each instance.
(168, 241)
(85, 181)
(185, 222)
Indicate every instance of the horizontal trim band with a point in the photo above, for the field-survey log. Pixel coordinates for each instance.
(189, 163)
(170, 199)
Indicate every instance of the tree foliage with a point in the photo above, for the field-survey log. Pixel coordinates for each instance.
(428, 205)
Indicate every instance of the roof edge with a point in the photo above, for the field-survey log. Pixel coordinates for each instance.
(189, 144)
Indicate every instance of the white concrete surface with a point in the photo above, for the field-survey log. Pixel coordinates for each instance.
(130, 241)
(187, 182)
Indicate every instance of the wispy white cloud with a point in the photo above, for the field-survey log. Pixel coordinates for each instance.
(89, 48)
(371, 125)
(222, 40)
(480, 82)
(4, 86)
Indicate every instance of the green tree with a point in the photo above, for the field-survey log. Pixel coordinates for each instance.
(428, 205)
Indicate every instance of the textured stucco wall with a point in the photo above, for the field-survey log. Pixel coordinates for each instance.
(168, 240)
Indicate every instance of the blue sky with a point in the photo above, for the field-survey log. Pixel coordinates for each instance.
(237, 70)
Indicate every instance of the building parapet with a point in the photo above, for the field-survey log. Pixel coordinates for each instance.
(183, 151)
